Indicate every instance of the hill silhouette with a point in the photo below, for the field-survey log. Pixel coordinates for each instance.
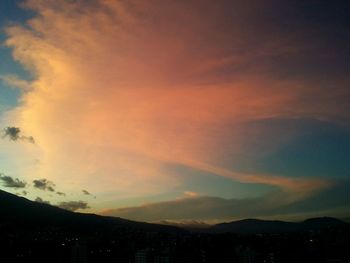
(38, 232)
(256, 226)
(20, 211)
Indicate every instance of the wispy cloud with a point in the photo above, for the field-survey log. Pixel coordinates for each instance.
(85, 192)
(191, 194)
(278, 204)
(205, 208)
(301, 185)
(15, 81)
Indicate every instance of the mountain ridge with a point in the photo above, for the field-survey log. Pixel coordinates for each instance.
(253, 226)
(21, 211)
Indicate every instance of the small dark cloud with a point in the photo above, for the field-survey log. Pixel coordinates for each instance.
(85, 192)
(44, 184)
(8, 181)
(14, 134)
(73, 205)
(24, 192)
(60, 193)
(40, 200)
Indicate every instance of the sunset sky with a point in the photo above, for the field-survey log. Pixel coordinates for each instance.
(177, 110)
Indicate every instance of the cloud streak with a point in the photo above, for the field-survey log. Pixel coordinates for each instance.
(15, 81)
(85, 192)
(211, 209)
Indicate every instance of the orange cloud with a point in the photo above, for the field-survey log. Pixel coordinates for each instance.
(119, 89)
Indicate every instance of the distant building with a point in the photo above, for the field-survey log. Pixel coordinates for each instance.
(270, 258)
(245, 254)
(162, 257)
(79, 253)
(144, 256)
(150, 255)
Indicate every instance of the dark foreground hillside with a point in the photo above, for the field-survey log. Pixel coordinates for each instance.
(34, 232)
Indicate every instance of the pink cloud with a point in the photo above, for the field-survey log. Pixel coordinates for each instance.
(122, 87)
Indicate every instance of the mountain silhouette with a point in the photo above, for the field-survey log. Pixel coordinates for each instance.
(322, 222)
(252, 226)
(38, 232)
(256, 226)
(20, 211)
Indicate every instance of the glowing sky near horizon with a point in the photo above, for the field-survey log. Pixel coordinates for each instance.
(179, 110)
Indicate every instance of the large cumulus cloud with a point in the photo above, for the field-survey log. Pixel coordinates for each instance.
(156, 82)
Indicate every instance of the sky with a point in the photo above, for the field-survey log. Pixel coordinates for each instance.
(177, 110)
